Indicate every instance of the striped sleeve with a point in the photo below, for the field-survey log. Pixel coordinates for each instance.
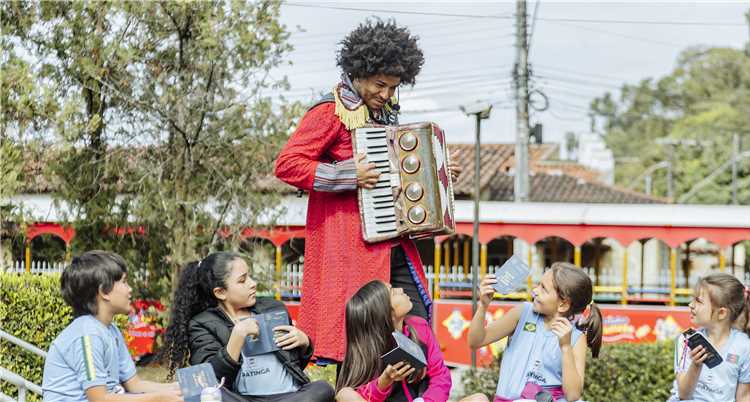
(87, 358)
(335, 177)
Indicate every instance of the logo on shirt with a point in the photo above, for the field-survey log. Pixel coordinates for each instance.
(529, 327)
(253, 373)
(732, 358)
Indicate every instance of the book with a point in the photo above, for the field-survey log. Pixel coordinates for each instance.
(510, 275)
(695, 338)
(265, 342)
(194, 379)
(405, 350)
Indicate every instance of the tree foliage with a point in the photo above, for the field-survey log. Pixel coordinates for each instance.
(164, 125)
(699, 106)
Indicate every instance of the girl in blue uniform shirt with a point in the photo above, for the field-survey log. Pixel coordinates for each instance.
(546, 350)
(720, 302)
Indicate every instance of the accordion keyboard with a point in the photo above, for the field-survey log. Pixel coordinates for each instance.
(378, 204)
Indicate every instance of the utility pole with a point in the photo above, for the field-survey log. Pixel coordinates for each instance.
(671, 144)
(480, 111)
(521, 182)
(735, 156)
(670, 173)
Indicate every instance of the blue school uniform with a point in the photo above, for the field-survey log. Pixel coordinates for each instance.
(533, 355)
(718, 384)
(86, 354)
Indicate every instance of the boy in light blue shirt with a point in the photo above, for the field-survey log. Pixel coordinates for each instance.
(89, 360)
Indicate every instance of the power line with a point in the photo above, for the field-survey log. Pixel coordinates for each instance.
(644, 22)
(447, 30)
(621, 35)
(576, 73)
(533, 24)
(510, 17)
(578, 81)
(507, 17)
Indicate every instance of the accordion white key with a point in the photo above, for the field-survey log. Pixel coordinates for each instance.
(414, 193)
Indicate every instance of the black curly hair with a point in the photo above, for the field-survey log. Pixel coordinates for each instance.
(194, 294)
(380, 47)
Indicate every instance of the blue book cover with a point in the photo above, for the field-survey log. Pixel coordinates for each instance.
(265, 341)
(511, 275)
(193, 379)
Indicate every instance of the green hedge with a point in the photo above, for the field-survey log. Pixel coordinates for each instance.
(31, 308)
(623, 372)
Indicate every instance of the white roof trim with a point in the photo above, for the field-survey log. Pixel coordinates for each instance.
(718, 216)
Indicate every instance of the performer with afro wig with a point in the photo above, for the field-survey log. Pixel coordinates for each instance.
(375, 58)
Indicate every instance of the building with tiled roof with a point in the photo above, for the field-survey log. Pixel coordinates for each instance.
(550, 180)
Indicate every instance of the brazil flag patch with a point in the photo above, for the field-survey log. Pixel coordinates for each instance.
(529, 327)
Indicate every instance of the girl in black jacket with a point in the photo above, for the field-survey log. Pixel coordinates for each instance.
(212, 315)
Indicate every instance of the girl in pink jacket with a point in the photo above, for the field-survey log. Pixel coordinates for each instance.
(373, 313)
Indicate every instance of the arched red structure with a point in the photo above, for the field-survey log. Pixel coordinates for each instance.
(66, 233)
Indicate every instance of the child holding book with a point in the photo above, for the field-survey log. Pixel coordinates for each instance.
(720, 301)
(89, 361)
(373, 313)
(212, 318)
(546, 350)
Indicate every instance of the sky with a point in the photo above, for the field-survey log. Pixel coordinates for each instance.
(579, 51)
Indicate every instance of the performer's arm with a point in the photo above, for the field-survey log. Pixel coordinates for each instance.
(299, 162)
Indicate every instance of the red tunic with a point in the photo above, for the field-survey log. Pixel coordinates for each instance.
(337, 260)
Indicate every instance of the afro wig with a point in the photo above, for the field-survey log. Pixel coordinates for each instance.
(377, 47)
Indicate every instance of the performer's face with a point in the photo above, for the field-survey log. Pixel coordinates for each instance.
(376, 90)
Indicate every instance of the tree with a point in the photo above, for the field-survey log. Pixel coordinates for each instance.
(24, 107)
(698, 108)
(170, 127)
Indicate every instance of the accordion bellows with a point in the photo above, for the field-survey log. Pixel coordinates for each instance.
(414, 193)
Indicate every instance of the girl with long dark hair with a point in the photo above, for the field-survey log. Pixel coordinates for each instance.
(212, 314)
(373, 313)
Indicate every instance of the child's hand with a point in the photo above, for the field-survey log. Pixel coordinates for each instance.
(247, 327)
(698, 355)
(562, 328)
(293, 338)
(394, 373)
(169, 396)
(486, 291)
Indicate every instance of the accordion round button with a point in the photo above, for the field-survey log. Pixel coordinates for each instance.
(410, 164)
(408, 141)
(417, 214)
(414, 192)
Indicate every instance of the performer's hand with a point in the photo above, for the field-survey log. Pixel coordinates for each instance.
(454, 167)
(562, 327)
(486, 291)
(367, 176)
(294, 337)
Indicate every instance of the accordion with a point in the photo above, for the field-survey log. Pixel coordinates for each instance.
(414, 193)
